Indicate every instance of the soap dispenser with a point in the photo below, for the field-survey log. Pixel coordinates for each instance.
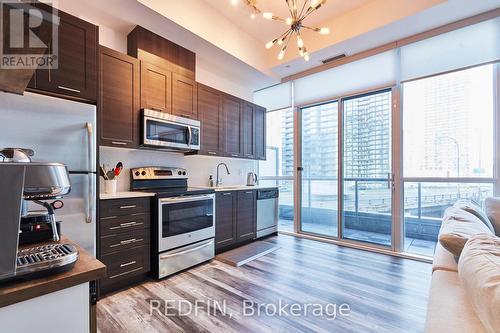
(211, 181)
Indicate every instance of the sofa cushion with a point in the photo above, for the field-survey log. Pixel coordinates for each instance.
(443, 260)
(479, 271)
(448, 309)
(458, 226)
(475, 210)
(492, 208)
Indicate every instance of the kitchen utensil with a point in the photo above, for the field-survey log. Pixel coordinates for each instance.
(118, 169)
(103, 172)
(16, 155)
(111, 174)
(252, 179)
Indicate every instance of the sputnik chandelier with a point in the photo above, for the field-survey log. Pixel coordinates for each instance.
(298, 13)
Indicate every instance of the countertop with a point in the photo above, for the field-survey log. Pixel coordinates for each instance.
(225, 188)
(87, 268)
(122, 195)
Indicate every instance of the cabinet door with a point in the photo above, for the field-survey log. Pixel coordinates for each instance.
(76, 74)
(231, 107)
(210, 116)
(118, 99)
(225, 228)
(156, 88)
(245, 215)
(260, 132)
(248, 130)
(184, 97)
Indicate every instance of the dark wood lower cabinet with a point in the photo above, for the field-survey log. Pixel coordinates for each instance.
(124, 242)
(235, 223)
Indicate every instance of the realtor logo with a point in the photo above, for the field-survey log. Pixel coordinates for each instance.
(29, 31)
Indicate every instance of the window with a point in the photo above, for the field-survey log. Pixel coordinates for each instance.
(448, 132)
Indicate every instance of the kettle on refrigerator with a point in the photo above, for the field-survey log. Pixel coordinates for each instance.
(252, 179)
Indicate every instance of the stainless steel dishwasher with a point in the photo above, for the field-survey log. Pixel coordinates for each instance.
(267, 211)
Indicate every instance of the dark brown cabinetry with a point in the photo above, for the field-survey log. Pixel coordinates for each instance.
(184, 97)
(124, 243)
(76, 74)
(248, 129)
(210, 116)
(156, 88)
(225, 226)
(118, 99)
(245, 215)
(231, 110)
(260, 132)
(235, 223)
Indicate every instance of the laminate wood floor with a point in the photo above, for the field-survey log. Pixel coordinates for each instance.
(383, 293)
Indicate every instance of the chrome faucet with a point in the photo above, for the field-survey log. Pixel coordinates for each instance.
(219, 181)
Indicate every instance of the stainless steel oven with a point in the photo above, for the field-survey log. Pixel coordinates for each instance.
(166, 131)
(185, 220)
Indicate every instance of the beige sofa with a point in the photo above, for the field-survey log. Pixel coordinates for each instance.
(449, 309)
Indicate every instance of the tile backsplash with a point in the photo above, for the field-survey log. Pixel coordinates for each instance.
(199, 167)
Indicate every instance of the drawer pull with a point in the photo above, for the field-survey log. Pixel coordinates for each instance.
(226, 193)
(128, 263)
(186, 115)
(109, 217)
(128, 207)
(69, 89)
(119, 143)
(128, 241)
(125, 273)
(212, 153)
(126, 225)
(249, 192)
(248, 234)
(234, 155)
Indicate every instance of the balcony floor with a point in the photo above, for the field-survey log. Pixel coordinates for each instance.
(412, 245)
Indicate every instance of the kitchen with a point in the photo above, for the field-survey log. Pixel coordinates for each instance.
(184, 190)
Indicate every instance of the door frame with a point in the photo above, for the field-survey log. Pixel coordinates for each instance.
(397, 227)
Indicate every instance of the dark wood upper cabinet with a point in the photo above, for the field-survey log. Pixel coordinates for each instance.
(245, 215)
(260, 132)
(248, 129)
(225, 226)
(156, 88)
(210, 115)
(231, 109)
(76, 74)
(119, 108)
(184, 97)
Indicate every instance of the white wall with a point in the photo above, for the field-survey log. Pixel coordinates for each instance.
(199, 167)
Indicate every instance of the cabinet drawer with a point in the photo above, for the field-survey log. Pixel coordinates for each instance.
(117, 224)
(120, 207)
(125, 240)
(124, 265)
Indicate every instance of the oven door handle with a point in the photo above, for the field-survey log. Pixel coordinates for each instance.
(166, 256)
(167, 201)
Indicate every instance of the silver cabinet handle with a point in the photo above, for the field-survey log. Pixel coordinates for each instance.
(125, 273)
(126, 225)
(166, 256)
(234, 155)
(212, 153)
(128, 241)
(69, 89)
(186, 199)
(109, 218)
(128, 207)
(227, 193)
(249, 192)
(119, 143)
(128, 263)
(90, 147)
(185, 115)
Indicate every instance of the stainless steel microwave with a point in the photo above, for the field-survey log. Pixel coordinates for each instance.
(169, 132)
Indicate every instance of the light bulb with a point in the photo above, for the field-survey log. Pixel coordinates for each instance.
(324, 31)
(280, 41)
(269, 44)
(300, 42)
(314, 3)
(252, 16)
(301, 52)
(267, 15)
(289, 21)
(281, 55)
(234, 2)
(306, 56)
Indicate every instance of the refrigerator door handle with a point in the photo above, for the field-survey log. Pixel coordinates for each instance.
(89, 199)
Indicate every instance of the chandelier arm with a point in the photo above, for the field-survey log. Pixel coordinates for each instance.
(302, 10)
(289, 7)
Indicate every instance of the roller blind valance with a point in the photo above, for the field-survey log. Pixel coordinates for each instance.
(275, 97)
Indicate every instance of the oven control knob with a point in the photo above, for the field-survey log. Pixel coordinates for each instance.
(179, 173)
(137, 173)
(143, 173)
(184, 173)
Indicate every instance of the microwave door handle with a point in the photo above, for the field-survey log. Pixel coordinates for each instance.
(190, 135)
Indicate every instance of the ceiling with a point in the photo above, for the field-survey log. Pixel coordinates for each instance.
(266, 30)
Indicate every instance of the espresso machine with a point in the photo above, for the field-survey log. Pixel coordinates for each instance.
(22, 181)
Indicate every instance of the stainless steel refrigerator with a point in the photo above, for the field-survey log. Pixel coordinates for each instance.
(61, 131)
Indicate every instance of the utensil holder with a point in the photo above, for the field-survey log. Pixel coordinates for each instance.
(110, 186)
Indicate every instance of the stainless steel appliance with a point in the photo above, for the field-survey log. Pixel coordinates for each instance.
(169, 132)
(184, 232)
(267, 211)
(252, 179)
(61, 131)
(36, 182)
